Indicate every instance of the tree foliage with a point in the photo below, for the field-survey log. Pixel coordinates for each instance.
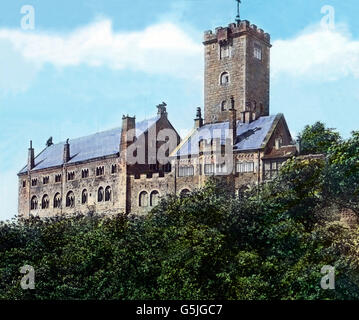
(317, 138)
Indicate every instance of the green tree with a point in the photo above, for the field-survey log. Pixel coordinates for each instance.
(316, 138)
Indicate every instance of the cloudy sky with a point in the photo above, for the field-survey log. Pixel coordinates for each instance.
(87, 62)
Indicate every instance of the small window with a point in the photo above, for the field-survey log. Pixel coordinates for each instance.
(224, 78)
(185, 171)
(244, 167)
(208, 169)
(85, 173)
(221, 168)
(24, 184)
(70, 175)
(46, 180)
(258, 51)
(224, 51)
(34, 182)
(58, 178)
(100, 171)
(114, 168)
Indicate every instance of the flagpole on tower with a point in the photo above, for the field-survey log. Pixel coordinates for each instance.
(238, 19)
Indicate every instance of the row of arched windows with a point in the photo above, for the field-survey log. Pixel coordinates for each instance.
(154, 199)
(102, 195)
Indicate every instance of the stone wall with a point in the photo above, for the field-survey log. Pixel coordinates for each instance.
(92, 183)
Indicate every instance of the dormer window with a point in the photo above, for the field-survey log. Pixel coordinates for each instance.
(224, 78)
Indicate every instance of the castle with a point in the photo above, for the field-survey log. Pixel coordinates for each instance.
(128, 169)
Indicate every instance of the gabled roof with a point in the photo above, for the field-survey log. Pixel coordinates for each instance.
(250, 136)
(90, 147)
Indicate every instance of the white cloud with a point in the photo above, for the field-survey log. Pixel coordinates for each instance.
(318, 53)
(161, 49)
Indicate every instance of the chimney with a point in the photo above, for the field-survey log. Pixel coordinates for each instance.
(247, 114)
(162, 112)
(128, 123)
(31, 158)
(232, 117)
(198, 122)
(66, 151)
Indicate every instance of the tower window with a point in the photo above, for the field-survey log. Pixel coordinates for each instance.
(224, 51)
(224, 78)
(34, 182)
(258, 51)
(224, 105)
(46, 180)
(24, 184)
(58, 178)
(114, 169)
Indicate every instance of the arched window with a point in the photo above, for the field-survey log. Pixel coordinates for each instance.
(143, 201)
(184, 192)
(154, 198)
(100, 194)
(224, 78)
(57, 200)
(108, 194)
(84, 196)
(70, 200)
(45, 202)
(34, 203)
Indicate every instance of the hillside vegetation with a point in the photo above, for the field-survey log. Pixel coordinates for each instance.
(269, 243)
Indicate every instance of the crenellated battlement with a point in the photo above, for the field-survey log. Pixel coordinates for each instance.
(235, 30)
(147, 177)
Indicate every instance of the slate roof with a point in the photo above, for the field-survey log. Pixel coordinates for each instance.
(90, 147)
(250, 136)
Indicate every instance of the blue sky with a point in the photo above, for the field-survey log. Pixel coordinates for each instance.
(88, 62)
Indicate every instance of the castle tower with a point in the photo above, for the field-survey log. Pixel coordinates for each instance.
(237, 63)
